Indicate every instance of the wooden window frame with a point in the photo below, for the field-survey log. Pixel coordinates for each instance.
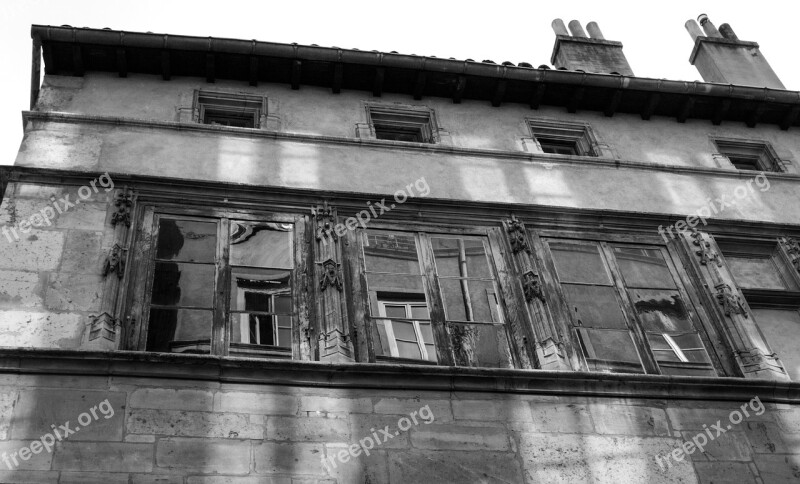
(558, 304)
(137, 305)
(422, 233)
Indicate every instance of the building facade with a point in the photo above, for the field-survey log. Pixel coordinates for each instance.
(233, 261)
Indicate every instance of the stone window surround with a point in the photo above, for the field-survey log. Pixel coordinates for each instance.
(768, 159)
(431, 129)
(579, 132)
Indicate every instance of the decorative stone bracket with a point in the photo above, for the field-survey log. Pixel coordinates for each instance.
(792, 248)
(123, 201)
(103, 326)
(516, 236)
(324, 222)
(532, 286)
(115, 262)
(330, 275)
(731, 303)
(706, 253)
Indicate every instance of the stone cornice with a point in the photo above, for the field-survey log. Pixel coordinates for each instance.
(388, 377)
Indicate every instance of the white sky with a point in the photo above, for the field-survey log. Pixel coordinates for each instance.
(655, 41)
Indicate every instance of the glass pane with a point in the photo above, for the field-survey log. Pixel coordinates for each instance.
(390, 252)
(697, 356)
(758, 273)
(419, 312)
(469, 300)
(258, 289)
(644, 268)
(460, 257)
(261, 245)
(579, 263)
(480, 345)
(179, 330)
(609, 350)
(669, 369)
(594, 306)
(661, 311)
(183, 284)
(408, 350)
(186, 240)
(252, 329)
(396, 312)
(427, 334)
(283, 304)
(687, 341)
(431, 349)
(404, 330)
(403, 288)
(384, 349)
(285, 338)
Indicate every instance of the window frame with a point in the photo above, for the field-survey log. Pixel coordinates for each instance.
(422, 233)
(607, 242)
(252, 107)
(137, 304)
(577, 134)
(421, 120)
(761, 153)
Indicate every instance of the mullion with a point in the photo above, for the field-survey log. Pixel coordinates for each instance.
(220, 330)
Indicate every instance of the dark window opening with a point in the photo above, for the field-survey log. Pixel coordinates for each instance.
(226, 109)
(399, 134)
(559, 147)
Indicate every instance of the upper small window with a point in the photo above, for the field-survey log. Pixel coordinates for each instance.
(227, 109)
(402, 123)
(563, 138)
(749, 155)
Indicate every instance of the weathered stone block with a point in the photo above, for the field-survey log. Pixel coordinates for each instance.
(156, 479)
(103, 456)
(83, 216)
(765, 438)
(308, 429)
(204, 455)
(445, 467)
(28, 477)
(258, 403)
(629, 420)
(716, 472)
(778, 468)
(41, 330)
(728, 446)
(356, 468)
(36, 251)
(93, 478)
(694, 418)
(404, 406)
(335, 405)
(74, 292)
(239, 480)
(82, 252)
(454, 437)
(558, 417)
(496, 409)
(297, 458)
(192, 424)
(789, 420)
(7, 398)
(364, 426)
(37, 410)
(172, 399)
(21, 289)
(550, 457)
(11, 448)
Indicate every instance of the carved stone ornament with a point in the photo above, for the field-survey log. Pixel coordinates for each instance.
(330, 276)
(704, 249)
(103, 326)
(731, 302)
(123, 201)
(323, 215)
(532, 286)
(516, 236)
(115, 262)
(793, 249)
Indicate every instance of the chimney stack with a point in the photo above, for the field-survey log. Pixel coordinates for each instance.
(590, 53)
(721, 57)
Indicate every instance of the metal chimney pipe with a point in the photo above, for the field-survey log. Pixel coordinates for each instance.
(727, 32)
(559, 28)
(594, 31)
(694, 30)
(576, 29)
(708, 27)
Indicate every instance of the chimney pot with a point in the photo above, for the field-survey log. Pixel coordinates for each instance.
(594, 31)
(694, 29)
(709, 28)
(559, 28)
(576, 29)
(727, 32)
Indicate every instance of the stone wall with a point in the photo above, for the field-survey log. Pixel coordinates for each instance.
(184, 431)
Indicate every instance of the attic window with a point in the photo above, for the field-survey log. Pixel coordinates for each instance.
(749, 155)
(229, 109)
(562, 138)
(400, 123)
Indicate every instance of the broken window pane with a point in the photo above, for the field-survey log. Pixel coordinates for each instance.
(266, 290)
(459, 257)
(661, 311)
(480, 345)
(393, 252)
(609, 350)
(186, 240)
(594, 306)
(261, 245)
(644, 268)
(579, 263)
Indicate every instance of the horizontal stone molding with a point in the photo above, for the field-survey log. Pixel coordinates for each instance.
(390, 377)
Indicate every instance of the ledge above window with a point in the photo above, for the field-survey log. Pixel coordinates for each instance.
(401, 122)
(563, 138)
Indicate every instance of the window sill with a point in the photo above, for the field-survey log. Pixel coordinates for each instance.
(385, 376)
